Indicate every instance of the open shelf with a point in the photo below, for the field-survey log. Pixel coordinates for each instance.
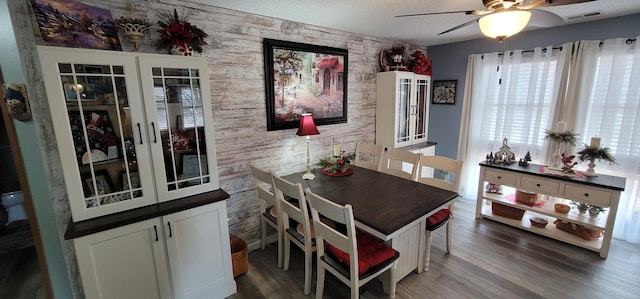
(549, 231)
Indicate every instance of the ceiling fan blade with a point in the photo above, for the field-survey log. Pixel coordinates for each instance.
(459, 26)
(466, 12)
(565, 2)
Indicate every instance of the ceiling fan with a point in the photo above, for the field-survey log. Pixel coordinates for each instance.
(503, 18)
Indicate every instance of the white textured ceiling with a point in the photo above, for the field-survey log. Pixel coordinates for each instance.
(376, 17)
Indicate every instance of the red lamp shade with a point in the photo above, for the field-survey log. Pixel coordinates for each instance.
(307, 126)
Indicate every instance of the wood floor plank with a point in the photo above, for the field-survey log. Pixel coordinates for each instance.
(488, 260)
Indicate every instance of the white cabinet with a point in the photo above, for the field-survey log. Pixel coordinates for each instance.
(402, 108)
(179, 255)
(602, 191)
(132, 129)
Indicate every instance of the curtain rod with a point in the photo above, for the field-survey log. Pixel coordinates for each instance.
(628, 42)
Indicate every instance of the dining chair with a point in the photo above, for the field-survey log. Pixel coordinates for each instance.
(269, 207)
(293, 206)
(448, 180)
(352, 256)
(400, 163)
(368, 156)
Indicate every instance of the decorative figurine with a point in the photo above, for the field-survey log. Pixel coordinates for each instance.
(568, 164)
(525, 161)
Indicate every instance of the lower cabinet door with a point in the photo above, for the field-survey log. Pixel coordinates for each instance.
(125, 262)
(199, 252)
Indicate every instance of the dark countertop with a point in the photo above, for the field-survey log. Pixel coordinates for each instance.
(99, 224)
(601, 180)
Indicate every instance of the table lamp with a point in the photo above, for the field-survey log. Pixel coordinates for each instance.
(307, 128)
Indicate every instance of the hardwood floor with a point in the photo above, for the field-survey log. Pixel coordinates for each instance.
(488, 260)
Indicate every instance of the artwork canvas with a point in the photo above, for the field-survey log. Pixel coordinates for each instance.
(444, 92)
(303, 78)
(69, 23)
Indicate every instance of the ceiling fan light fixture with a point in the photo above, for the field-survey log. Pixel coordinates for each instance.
(504, 24)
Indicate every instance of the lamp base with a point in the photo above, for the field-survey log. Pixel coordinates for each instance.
(308, 176)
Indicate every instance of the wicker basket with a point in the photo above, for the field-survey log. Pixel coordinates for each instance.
(506, 211)
(239, 256)
(579, 230)
(527, 198)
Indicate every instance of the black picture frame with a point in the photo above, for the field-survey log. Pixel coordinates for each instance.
(304, 78)
(444, 92)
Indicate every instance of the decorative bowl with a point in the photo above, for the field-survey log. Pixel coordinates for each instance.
(538, 221)
(562, 208)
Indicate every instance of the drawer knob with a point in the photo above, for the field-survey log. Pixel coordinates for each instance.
(538, 185)
(586, 194)
(499, 177)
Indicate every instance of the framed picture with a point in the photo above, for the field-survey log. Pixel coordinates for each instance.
(100, 136)
(73, 24)
(103, 183)
(135, 180)
(304, 78)
(444, 92)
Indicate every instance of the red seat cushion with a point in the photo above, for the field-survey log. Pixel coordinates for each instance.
(435, 220)
(371, 252)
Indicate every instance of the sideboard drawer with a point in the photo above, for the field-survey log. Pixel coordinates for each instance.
(499, 177)
(539, 185)
(588, 195)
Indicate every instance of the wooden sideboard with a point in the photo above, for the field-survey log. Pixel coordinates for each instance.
(601, 190)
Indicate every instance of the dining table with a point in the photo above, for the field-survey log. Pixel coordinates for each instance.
(391, 208)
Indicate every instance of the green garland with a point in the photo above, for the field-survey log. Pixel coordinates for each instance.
(562, 137)
(336, 164)
(589, 153)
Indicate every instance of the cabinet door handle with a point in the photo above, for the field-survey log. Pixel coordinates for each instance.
(155, 138)
(499, 177)
(170, 233)
(538, 185)
(155, 228)
(586, 195)
(139, 132)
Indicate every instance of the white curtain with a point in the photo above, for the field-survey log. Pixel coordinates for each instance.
(607, 90)
(511, 96)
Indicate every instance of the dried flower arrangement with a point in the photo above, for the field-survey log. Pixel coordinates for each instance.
(334, 165)
(420, 63)
(177, 31)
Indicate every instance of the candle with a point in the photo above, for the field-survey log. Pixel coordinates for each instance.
(336, 148)
(561, 126)
(595, 141)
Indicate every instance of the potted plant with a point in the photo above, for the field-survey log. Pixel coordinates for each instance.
(594, 211)
(178, 35)
(594, 152)
(582, 207)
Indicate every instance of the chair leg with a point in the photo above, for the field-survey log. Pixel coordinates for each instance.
(427, 251)
(263, 234)
(308, 263)
(287, 251)
(280, 249)
(320, 280)
(449, 235)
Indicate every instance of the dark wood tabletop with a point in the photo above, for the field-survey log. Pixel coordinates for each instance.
(380, 201)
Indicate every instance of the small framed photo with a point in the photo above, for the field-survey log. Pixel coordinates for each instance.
(135, 180)
(103, 184)
(444, 92)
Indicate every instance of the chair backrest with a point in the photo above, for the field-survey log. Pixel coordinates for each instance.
(400, 163)
(265, 187)
(369, 156)
(294, 206)
(343, 215)
(449, 180)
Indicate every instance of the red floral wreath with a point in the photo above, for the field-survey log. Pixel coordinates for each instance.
(420, 63)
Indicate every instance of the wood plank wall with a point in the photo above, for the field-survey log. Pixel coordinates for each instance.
(236, 70)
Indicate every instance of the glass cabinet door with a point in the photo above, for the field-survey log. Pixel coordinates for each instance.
(421, 122)
(99, 117)
(180, 121)
(403, 110)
